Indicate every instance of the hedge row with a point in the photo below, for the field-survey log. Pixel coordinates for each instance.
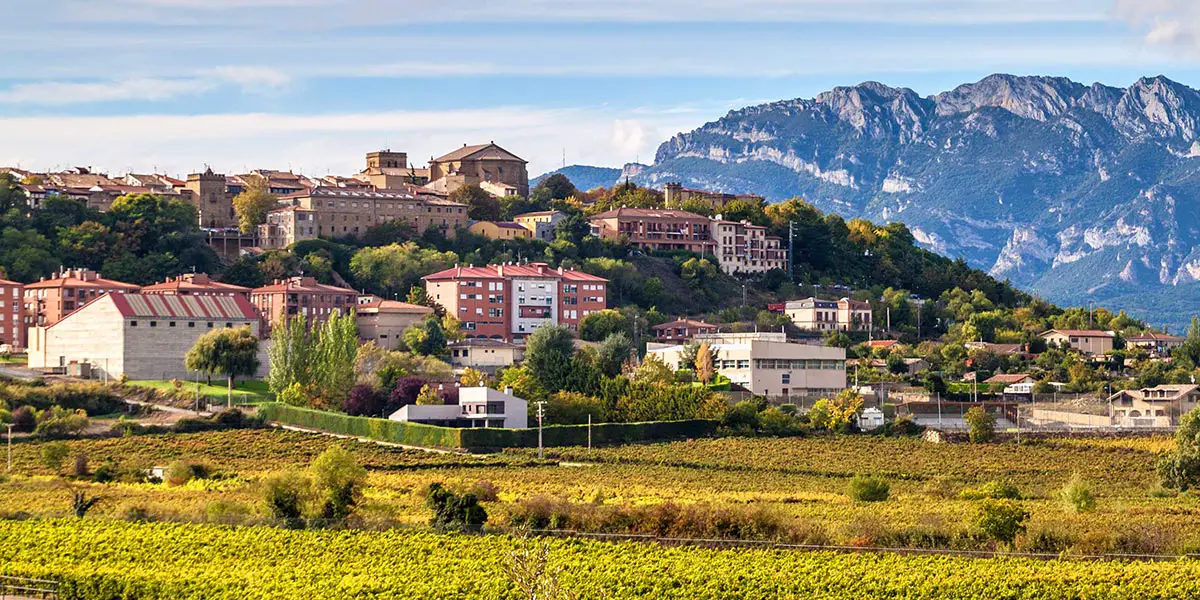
(479, 439)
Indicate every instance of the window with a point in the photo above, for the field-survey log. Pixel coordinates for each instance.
(171, 324)
(133, 323)
(210, 325)
(228, 325)
(786, 379)
(154, 323)
(192, 324)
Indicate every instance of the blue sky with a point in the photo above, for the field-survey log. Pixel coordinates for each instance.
(313, 85)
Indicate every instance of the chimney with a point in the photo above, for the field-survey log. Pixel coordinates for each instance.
(508, 390)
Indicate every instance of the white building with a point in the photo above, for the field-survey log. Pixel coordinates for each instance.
(536, 303)
(871, 418)
(477, 407)
(767, 364)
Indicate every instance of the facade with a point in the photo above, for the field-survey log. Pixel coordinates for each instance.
(742, 247)
(335, 212)
(141, 336)
(12, 315)
(508, 302)
(1160, 406)
(767, 364)
(196, 284)
(655, 229)
(477, 407)
(488, 356)
(384, 321)
(48, 301)
(476, 165)
(811, 314)
(1089, 342)
(288, 298)
(1159, 344)
(681, 330)
(676, 196)
(213, 198)
(541, 223)
(500, 230)
(387, 170)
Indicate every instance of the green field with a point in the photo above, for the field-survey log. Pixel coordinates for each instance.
(244, 392)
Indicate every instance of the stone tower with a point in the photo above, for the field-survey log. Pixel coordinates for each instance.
(214, 203)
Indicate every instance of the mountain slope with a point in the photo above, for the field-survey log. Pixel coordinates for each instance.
(1074, 192)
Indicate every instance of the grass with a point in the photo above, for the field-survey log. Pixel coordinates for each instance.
(14, 359)
(244, 392)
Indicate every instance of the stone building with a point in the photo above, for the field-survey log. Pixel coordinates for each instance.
(389, 170)
(287, 298)
(336, 212)
(474, 165)
(213, 198)
(139, 336)
(384, 321)
(655, 229)
(48, 301)
(676, 196)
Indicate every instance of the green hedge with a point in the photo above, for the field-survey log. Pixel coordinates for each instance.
(478, 439)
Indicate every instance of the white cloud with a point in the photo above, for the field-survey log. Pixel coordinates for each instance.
(146, 89)
(331, 143)
(1174, 24)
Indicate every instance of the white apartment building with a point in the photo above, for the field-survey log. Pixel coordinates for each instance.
(742, 247)
(811, 314)
(767, 364)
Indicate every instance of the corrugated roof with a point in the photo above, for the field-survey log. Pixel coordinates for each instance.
(184, 307)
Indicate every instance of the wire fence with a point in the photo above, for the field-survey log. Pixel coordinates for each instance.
(13, 588)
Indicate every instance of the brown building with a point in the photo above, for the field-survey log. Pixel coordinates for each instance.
(50, 300)
(474, 165)
(196, 284)
(676, 196)
(336, 212)
(12, 314)
(655, 229)
(384, 321)
(287, 298)
(213, 197)
(682, 330)
(500, 230)
(387, 170)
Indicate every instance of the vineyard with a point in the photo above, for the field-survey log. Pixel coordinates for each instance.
(792, 489)
(102, 560)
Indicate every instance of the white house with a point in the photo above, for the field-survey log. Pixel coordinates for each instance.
(477, 407)
(871, 418)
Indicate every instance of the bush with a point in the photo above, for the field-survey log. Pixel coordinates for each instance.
(453, 512)
(996, 490)
(337, 481)
(92, 398)
(228, 419)
(364, 400)
(107, 472)
(81, 466)
(284, 496)
(571, 408)
(183, 471)
(54, 454)
(864, 488)
(58, 422)
(774, 421)
(294, 395)
(982, 425)
(24, 419)
(1077, 495)
(1001, 520)
(742, 417)
(485, 491)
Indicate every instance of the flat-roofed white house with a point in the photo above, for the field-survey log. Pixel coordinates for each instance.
(141, 336)
(483, 354)
(767, 364)
(477, 407)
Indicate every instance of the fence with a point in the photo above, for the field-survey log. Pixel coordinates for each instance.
(24, 587)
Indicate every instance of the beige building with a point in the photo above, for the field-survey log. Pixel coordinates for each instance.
(337, 212)
(1159, 406)
(500, 230)
(742, 247)
(487, 355)
(286, 226)
(811, 314)
(541, 223)
(1159, 344)
(477, 165)
(139, 336)
(384, 321)
(1084, 340)
(387, 170)
(676, 196)
(213, 198)
(766, 364)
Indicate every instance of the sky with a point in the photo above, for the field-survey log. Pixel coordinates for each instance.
(174, 86)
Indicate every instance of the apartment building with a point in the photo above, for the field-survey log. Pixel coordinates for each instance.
(766, 364)
(12, 314)
(48, 301)
(336, 212)
(655, 229)
(811, 314)
(288, 298)
(542, 223)
(743, 248)
(196, 284)
(1087, 341)
(509, 302)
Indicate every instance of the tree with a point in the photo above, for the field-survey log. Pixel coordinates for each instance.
(11, 194)
(452, 512)
(1181, 468)
(548, 354)
(229, 352)
(601, 324)
(555, 187)
(654, 371)
(428, 396)
(244, 272)
(53, 455)
(251, 205)
(1189, 351)
(337, 481)
(396, 268)
(612, 354)
(334, 353)
(982, 425)
(290, 354)
(426, 338)
(1001, 520)
(284, 496)
(364, 400)
(704, 364)
(472, 378)
(418, 296)
(481, 205)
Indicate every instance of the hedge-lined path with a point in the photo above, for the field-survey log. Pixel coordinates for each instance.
(366, 440)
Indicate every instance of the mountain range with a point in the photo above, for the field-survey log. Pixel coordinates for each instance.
(1077, 193)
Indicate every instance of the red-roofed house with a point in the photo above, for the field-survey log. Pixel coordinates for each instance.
(508, 302)
(500, 230)
(196, 284)
(655, 229)
(1160, 344)
(1086, 341)
(50, 300)
(287, 298)
(142, 336)
(681, 330)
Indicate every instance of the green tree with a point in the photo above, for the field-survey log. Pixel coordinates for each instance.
(428, 396)
(601, 324)
(612, 353)
(555, 187)
(229, 352)
(53, 455)
(426, 338)
(453, 512)
(1181, 468)
(1001, 520)
(251, 206)
(337, 481)
(396, 268)
(11, 194)
(481, 205)
(1189, 351)
(982, 425)
(548, 356)
(705, 370)
(334, 353)
(290, 354)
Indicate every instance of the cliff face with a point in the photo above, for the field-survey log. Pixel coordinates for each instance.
(1071, 191)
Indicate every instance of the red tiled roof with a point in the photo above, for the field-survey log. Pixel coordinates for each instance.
(467, 151)
(194, 283)
(1080, 332)
(183, 307)
(506, 271)
(393, 306)
(301, 284)
(8, 282)
(652, 213)
(690, 323)
(76, 282)
(882, 343)
(1156, 337)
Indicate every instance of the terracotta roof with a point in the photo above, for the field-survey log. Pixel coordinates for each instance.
(198, 282)
(71, 279)
(509, 225)
(505, 271)
(1155, 337)
(9, 282)
(302, 284)
(537, 213)
(393, 306)
(1007, 378)
(1080, 332)
(685, 323)
(649, 213)
(882, 343)
(467, 151)
(183, 307)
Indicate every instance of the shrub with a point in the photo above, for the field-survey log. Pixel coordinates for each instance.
(405, 392)
(453, 512)
(364, 400)
(982, 425)
(788, 409)
(774, 421)
(226, 512)
(24, 419)
(54, 454)
(1077, 495)
(284, 496)
(183, 471)
(107, 472)
(228, 419)
(294, 395)
(81, 466)
(337, 481)
(865, 488)
(1001, 520)
(58, 422)
(572, 408)
(996, 490)
(743, 416)
(485, 491)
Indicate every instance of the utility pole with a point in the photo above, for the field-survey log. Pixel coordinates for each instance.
(589, 434)
(791, 252)
(10, 428)
(541, 414)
